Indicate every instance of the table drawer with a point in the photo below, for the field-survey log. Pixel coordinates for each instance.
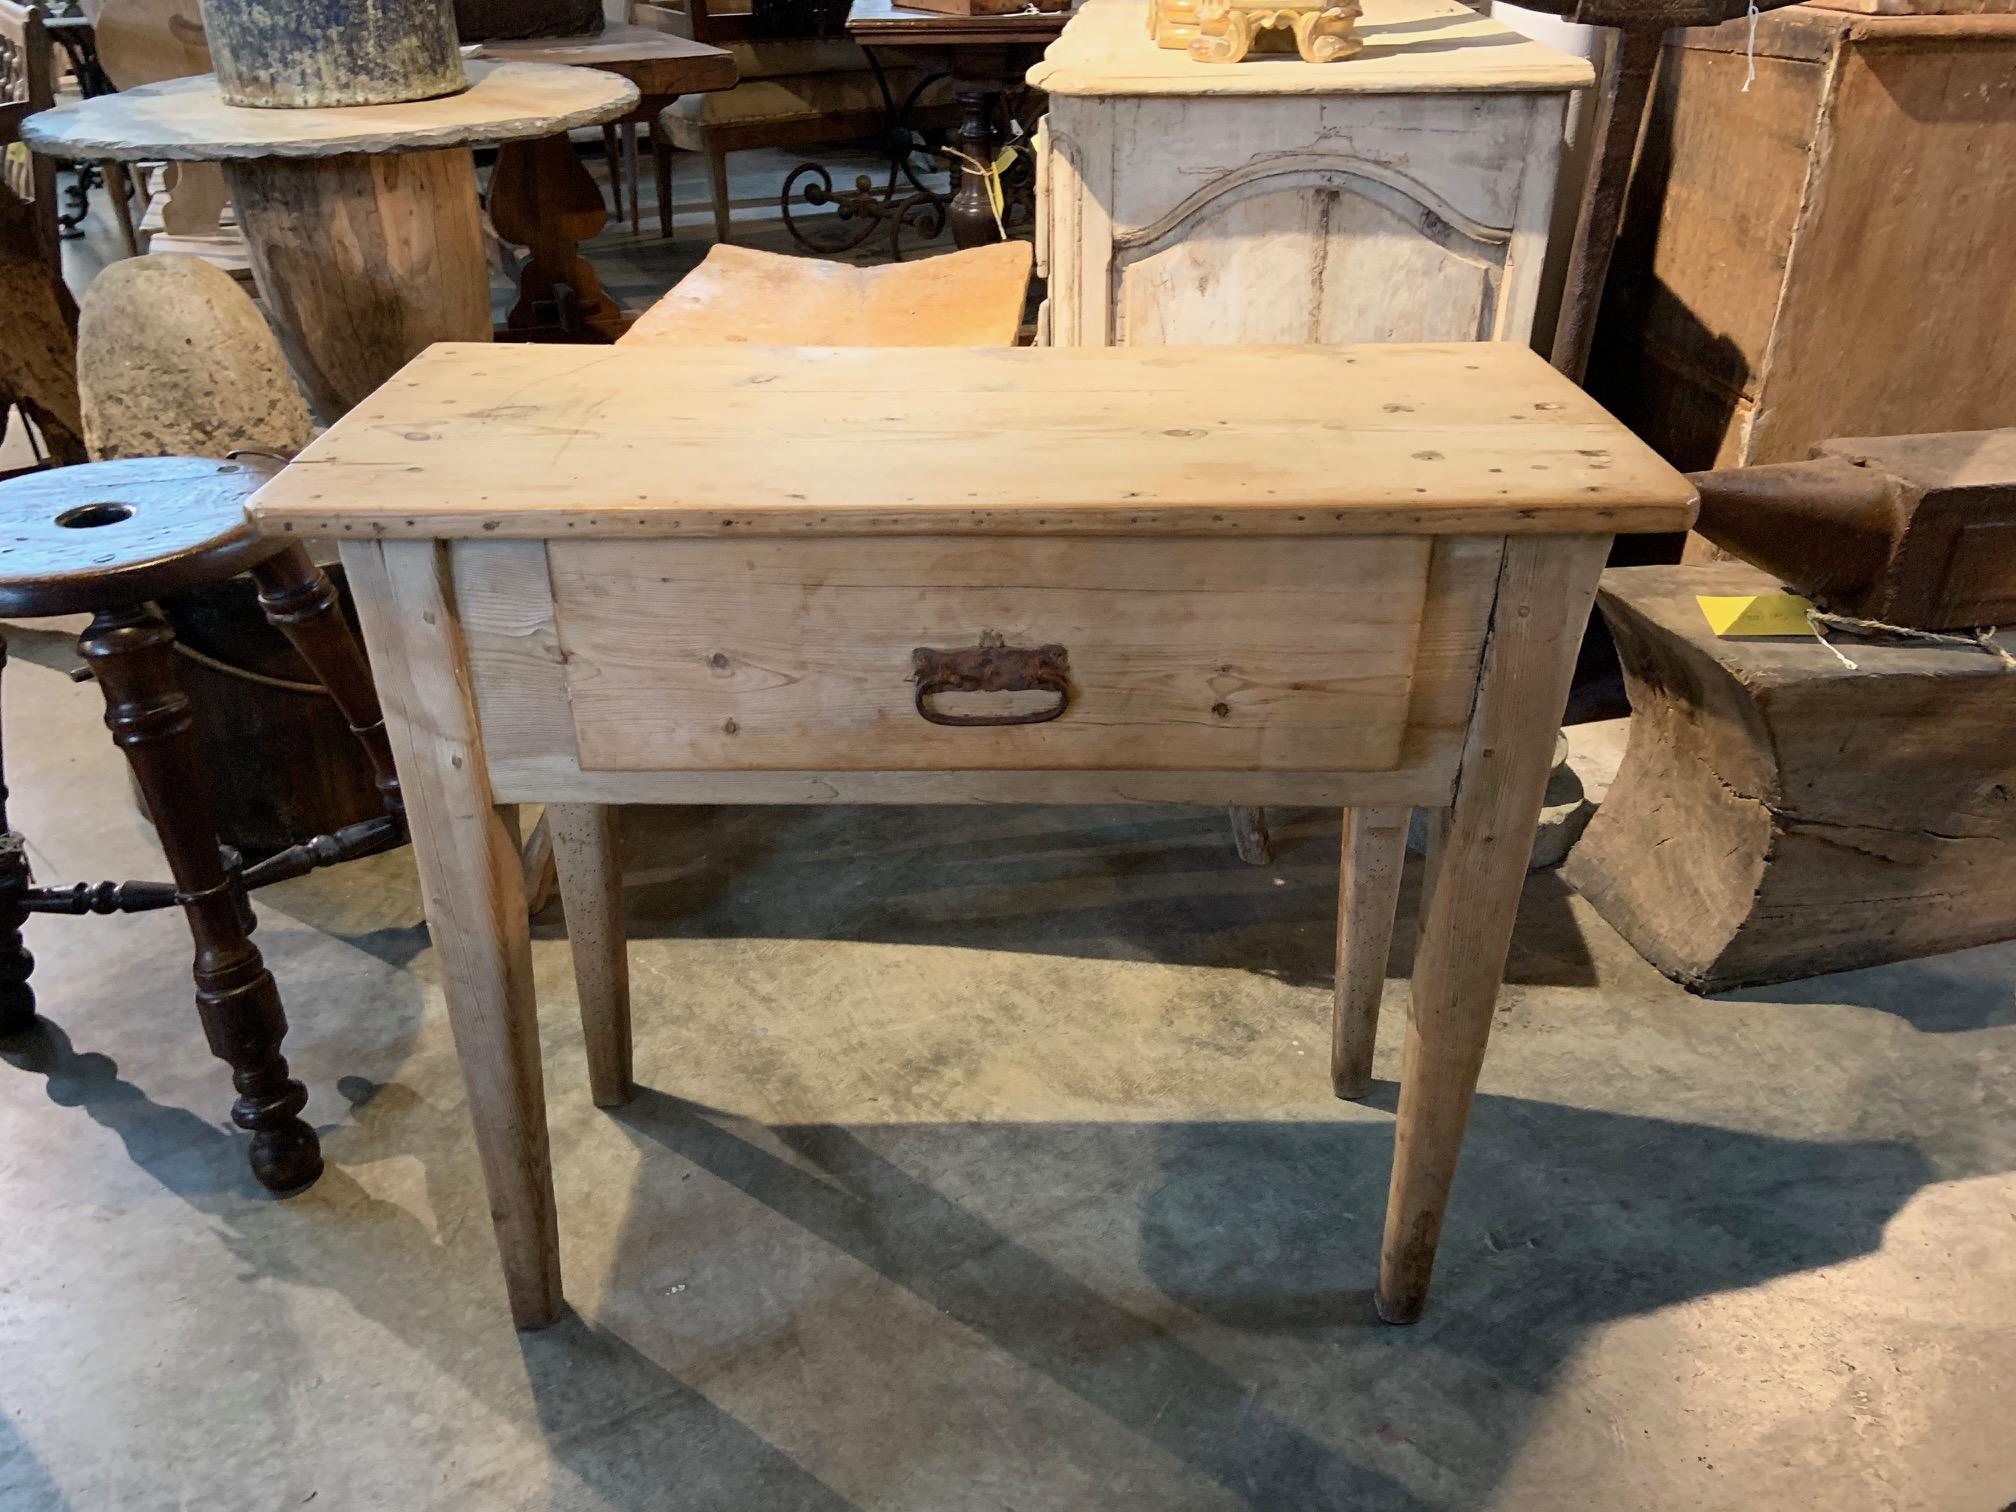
(867, 654)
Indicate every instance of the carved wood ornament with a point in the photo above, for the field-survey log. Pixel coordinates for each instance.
(1320, 31)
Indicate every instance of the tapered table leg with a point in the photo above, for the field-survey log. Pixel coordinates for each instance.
(1368, 891)
(1545, 588)
(473, 885)
(1250, 837)
(587, 846)
(131, 653)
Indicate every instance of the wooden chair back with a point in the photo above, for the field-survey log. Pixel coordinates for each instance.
(148, 41)
(27, 179)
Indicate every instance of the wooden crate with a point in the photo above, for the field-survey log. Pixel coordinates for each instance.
(1827, 254)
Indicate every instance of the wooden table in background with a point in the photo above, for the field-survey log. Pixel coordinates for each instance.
(363, 222)
(541, 196)
(1349, 576)
(985, 55)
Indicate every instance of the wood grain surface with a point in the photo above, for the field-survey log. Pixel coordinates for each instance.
(549, 441)
(1410, 45)
(1183, 655)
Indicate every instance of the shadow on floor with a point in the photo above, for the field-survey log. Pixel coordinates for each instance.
(1158, 884)
(1564, 1220)
(1125, 1263)
(1940, 995)
(25, 1484)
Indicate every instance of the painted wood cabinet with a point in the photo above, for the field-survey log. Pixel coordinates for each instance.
(1400, 195)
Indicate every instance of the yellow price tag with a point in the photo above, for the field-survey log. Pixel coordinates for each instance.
(1755, 614)
(17, 154)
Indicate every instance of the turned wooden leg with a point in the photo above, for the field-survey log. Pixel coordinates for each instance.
(1368, 891)
(717, 189)
(1250, 837)
(131, 652)
(630, 176)
(587, 842)
(302, 604)
(612, 156)
(1545, 588)
(473, 887)
(971, 213)
(119, 189)
(661, 169)
(17, 998)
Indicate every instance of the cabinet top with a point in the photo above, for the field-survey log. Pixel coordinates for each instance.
(541, 441)
(1411, 47)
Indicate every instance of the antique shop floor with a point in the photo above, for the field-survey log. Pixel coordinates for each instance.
(987, 1161)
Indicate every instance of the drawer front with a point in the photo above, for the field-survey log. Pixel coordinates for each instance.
(1117, 655)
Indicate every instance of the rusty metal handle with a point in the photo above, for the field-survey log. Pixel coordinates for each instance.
(988, 668)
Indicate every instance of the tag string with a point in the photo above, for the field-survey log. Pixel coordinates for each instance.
(1750, 50)
(1981, 640)
(997, 200)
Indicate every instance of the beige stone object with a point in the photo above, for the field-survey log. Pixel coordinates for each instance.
(174, 360)
(1317, 31)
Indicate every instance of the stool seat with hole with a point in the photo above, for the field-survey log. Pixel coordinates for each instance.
(107, 539)
(77, 540)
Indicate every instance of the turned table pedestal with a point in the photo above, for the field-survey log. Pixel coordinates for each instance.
(365, 230)
(544, 199)
(1353, 576)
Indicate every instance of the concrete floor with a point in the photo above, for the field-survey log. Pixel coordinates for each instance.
(987, 1161)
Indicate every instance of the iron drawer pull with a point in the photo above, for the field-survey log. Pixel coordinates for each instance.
(991, 668)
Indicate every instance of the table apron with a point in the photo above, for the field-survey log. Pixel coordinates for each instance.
(1330, 672)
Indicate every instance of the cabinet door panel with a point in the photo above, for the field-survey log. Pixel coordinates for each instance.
(1322, 256)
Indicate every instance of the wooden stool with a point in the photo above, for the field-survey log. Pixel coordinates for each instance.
(739, 297)
(106, 539)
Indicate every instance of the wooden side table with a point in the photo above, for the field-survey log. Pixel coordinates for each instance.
(984, 55)
(1354, 576)
(543, 199)
(365, 231)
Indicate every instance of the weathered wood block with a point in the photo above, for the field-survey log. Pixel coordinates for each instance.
(1778, 815)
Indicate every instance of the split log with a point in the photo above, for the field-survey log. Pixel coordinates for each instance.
(1779, 815)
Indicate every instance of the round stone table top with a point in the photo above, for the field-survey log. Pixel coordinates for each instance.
(187, 119)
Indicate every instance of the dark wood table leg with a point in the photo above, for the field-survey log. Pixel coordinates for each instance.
(976, 85)
(544, 199)
(302, 604)
(131, 652)
(17, 998)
